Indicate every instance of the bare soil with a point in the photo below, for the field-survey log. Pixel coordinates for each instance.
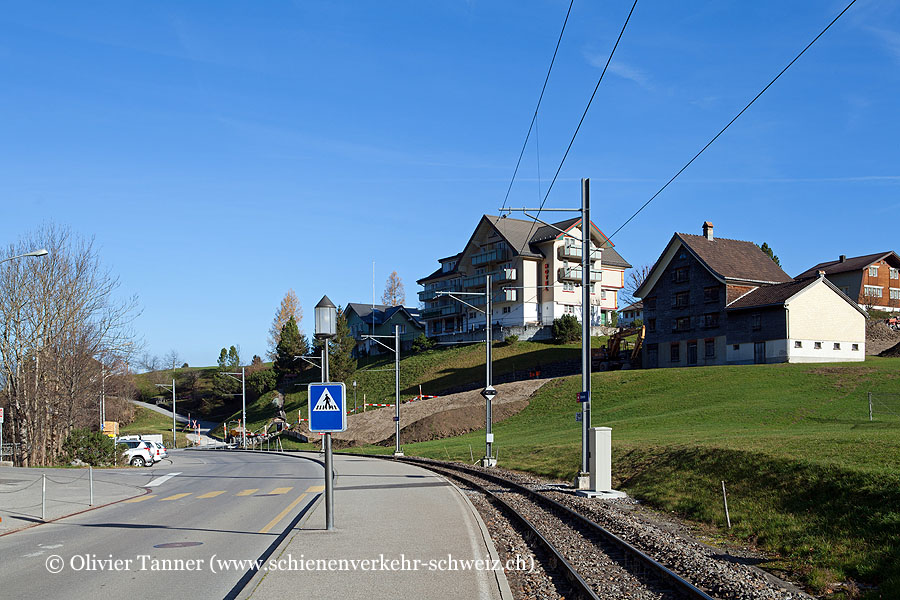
(436, 418)
(880, 337)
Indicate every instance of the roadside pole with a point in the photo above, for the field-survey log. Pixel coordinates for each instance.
(174, 443)
(1, 434)
(244, 406)
(397, 450)
(326, 328)
(583, 481)
(489, 391)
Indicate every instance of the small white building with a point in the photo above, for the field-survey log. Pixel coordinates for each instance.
(631, 313)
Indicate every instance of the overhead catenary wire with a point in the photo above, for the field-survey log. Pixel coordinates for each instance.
(537, 108)
(581, 121)
(721, 131)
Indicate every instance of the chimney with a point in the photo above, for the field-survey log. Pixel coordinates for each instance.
(843, 257)
(708, 230)
(821, 274)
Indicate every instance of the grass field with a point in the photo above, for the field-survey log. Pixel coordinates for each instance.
(148, 421)
(810, 479)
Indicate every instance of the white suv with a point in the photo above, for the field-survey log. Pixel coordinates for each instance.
(140, 453)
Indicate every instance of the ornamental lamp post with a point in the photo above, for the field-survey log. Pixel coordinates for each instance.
(326, 328)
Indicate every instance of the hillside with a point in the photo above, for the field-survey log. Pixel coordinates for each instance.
(810, 478)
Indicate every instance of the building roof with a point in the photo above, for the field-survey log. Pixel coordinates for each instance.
(856, 263)
(636, 306)
(780, 293)
(734, 259)
(382, 313)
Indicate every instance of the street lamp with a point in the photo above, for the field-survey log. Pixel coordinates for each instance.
(41, 252)
(326, 328)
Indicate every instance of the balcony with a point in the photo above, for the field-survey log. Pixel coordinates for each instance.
(574, 274)
(477, 281)
(437, 312)
(506, 275)
(574, 252)
(483, 258)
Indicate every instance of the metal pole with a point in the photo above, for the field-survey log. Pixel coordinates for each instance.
(91, 479)
(354, 398)
(870, 406)
(488, 420)
(43, 496)
(102, 397)
(174, 444)
(397, 451)
(244, 406)
(585, 324)
(326, 441)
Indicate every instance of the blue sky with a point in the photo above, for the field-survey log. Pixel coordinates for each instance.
(223, 152)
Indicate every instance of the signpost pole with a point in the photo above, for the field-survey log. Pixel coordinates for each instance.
(174, 445)
(397, 450)
(329, 473)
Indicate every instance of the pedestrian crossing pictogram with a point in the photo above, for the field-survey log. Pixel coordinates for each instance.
(326, 402)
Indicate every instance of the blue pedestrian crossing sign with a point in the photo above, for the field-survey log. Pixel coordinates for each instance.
(327, 411)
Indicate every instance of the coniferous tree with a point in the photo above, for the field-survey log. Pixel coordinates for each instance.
(770, 253)
(292, 343)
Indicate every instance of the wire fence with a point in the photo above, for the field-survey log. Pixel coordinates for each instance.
(883, 407)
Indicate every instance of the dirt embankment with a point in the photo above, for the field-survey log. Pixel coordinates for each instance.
(881, 339)
(436, 418)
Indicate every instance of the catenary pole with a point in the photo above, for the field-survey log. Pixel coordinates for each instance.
(488, 370)
(585, 322)
(397, 451)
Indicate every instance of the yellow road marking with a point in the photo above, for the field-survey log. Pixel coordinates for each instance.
(177, 496)
(141, 498)
(316, 488)
(282, 514)
(211, 494)
(247, 492)
(283, 490)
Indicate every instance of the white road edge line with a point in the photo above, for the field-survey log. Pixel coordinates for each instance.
(162, 480)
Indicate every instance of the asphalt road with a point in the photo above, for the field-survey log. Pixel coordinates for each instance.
(219, 506)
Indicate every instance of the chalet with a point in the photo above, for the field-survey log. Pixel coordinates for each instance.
(535, 278)
(714, 301)
(872, 280)
(378, 319)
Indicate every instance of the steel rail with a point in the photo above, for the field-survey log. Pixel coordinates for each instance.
(664, 573)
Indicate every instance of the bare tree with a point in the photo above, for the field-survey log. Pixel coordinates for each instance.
(393, 291)
(635, 279)
(60, 329)
(172, 359)
(289, 307)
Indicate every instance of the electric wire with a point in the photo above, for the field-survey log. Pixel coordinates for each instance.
(536, 108)
(721, 131)
(580, 122)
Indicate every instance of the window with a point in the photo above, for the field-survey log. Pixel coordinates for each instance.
(736, 347)
(682, 299)
(568, 286)
(837, 346)
(710, 320)
(798, 344)
(675, 353)
(895, 293)
(506, 309)
(854, 347)
(756, 321)
(895, 273)
(682, 323)
(651, 324)
(710, 347)
(602, 294)
(650, 303)
(711, 294)
(570, 310)
(872, 291)
(817, 345)
(873, 271)
(680, 275)
(471, 315)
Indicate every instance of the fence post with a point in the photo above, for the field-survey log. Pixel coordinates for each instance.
(725, 498)
(91, 478)
(43, 496)
(870, 405)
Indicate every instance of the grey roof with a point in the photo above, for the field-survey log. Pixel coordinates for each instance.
(382, 313)
(856, 263)
(734, 259)
(778, 294)
(636, 306)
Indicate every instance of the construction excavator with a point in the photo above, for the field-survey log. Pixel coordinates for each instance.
(616, 354)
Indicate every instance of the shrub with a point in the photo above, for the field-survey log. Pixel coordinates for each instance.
(91, 447)
(566, 329)
(511, 339)
(638, 323)
(261, 382)
(422, 343)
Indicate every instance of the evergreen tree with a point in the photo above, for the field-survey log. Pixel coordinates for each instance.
(770, 253)
(342, 365)
(291, 343)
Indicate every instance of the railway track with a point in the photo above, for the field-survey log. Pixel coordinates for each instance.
(595, 562)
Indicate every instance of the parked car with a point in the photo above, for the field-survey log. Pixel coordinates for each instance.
(139, 452)
(161, 451)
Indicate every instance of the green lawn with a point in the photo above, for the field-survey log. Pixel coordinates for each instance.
(148, 421)
(809, 477)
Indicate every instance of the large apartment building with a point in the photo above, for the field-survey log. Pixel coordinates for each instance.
(535, 278)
